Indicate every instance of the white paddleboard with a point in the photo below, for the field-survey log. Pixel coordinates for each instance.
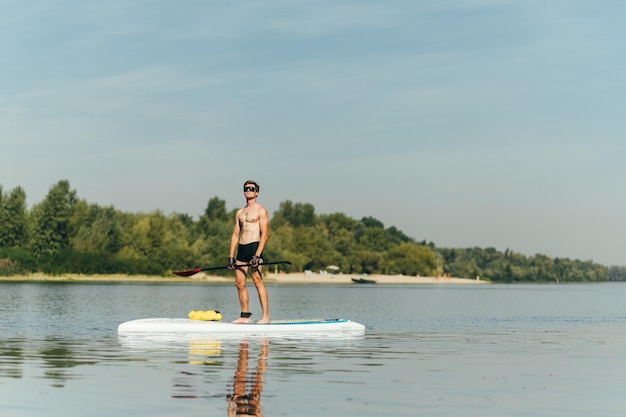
(275, 327)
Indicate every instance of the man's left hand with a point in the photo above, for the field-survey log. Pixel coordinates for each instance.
(255, 261)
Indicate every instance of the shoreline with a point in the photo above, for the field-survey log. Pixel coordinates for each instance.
(315, 278)
(300, 278)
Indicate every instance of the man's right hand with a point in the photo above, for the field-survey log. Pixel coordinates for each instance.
(231, 263)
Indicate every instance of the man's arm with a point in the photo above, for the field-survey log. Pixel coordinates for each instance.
(234, 239)
(264, 231)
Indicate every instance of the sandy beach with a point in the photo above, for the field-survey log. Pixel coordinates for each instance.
(275, 278)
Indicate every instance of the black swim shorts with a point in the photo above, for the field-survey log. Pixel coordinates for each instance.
(247, 251)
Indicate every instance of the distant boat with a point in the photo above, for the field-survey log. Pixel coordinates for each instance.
(363, 281)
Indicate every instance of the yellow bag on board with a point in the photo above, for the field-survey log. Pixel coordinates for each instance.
(208, 315)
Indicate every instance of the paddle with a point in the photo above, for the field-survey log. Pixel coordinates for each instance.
(214, 268)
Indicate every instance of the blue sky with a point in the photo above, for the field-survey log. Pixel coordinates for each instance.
(487, 123)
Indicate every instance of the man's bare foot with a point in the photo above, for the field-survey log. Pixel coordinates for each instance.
(242, 320)
(263, 321)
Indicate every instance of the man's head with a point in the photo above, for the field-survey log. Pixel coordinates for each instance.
(250, 183)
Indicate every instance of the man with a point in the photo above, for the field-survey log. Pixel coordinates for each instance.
(249, 237)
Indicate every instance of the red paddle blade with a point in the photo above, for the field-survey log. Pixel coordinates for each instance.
(187, 273)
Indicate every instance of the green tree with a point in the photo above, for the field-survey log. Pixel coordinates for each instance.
(298, 214)
(51, 219)
(395, 236)
(216, 210)
(13, 218)
(282, 246)
(411, 259)
(337, 221)
(375, 239)
(372, 222)
(365, 261)
(3, 216)
(339, 230)
(98, 229)
(312, 243)
(210, 236)
(216, 242)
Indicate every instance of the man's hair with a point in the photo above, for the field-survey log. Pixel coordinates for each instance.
(250, 182)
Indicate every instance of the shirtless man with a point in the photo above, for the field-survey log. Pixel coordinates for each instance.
(249, 237)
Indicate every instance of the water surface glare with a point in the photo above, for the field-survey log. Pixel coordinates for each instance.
(489, 350)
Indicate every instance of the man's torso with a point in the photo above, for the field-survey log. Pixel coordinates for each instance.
(250, 223)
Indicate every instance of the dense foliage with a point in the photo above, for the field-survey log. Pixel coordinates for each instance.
(64, 234)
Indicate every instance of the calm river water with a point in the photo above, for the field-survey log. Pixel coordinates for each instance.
(433, 350)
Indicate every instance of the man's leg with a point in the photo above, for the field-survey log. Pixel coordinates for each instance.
(242, 290)
(257, 278)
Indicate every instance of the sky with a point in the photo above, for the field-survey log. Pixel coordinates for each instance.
(466, 123)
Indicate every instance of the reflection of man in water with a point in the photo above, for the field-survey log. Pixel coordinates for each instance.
(246, 397)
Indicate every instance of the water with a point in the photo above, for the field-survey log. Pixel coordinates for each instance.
(478, 350)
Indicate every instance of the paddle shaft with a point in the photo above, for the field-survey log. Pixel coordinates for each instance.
(215, 268)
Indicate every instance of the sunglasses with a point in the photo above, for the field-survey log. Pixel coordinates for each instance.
(253, 189)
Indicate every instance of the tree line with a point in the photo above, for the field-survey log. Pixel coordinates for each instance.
(66, 234)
